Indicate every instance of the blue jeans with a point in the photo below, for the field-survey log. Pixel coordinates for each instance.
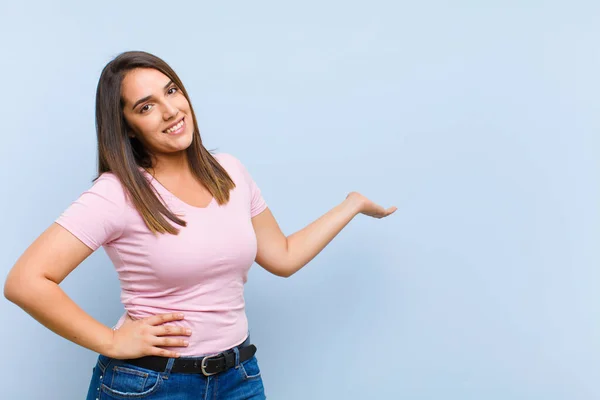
(115, 379)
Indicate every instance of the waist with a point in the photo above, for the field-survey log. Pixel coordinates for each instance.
(206, 365)
(211, 332)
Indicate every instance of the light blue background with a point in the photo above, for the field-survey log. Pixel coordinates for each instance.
(478, 119)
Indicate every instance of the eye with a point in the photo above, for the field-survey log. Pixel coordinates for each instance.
(173, 89)
(146, 108)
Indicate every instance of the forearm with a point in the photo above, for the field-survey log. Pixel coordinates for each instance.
(45, 301)
(305, 244)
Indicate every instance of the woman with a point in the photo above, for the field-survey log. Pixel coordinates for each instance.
(182, 227)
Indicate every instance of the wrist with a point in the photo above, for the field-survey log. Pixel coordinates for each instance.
(106, 346)
(354, 204)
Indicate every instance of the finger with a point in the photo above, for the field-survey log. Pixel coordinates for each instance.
(170, 342)
(157, 351)
(391, 210)
(382, 212)
(162, 318)
(171, 330)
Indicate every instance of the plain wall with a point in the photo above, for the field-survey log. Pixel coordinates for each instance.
(478, 119)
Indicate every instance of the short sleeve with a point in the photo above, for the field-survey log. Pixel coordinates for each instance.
(257, 202)
(96, 217)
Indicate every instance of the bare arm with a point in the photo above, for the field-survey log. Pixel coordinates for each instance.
(33, 284)
(284, 256)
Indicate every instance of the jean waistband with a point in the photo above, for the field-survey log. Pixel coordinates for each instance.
(104, 360)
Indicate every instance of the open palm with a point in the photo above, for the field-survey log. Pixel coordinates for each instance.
(368, 207)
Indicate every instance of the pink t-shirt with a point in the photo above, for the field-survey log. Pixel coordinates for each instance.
(200, 272)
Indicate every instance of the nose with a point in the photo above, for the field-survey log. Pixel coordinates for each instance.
(170, 111)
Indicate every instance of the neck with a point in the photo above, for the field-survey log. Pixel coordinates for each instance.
(171, 165)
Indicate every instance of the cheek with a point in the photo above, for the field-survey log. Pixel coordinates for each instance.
(183, 104)
(148, 127)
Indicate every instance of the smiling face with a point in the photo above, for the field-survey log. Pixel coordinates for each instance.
(157, 112)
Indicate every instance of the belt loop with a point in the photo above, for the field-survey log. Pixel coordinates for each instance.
(236, 351)
(168, 368)
(103, 362)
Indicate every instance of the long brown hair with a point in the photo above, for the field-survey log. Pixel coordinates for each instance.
(123, 156)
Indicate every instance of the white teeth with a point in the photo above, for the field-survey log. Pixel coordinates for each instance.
(173, 129)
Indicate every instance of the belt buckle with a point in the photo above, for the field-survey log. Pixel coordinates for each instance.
(203, 365)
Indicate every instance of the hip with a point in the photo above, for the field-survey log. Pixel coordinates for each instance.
(128, 379)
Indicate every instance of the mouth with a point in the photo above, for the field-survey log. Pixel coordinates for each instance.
(176, 128)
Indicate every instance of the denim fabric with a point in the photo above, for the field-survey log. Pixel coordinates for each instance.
(116, 379)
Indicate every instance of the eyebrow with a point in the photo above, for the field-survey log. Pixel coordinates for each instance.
(148, 97)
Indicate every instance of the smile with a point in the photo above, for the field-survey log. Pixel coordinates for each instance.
(177, 128)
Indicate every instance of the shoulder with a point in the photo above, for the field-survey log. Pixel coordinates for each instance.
(109, 187)
(235, 168)
(231, 163)
(226, 159)
(109, 182)
(108, 179)
(97, 216)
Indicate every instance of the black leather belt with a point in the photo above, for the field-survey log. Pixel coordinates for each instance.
(207, 366)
